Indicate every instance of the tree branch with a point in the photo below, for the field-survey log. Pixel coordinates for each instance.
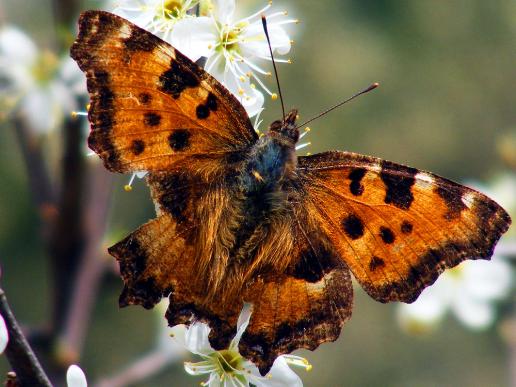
(39, 181)
(92, 266)
(141, 369)
(19, 353)
(67, 240)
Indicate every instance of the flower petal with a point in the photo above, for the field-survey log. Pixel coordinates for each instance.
(75, 377)
(224, 10)
(194, 37)
(476, 314)
(280, 375)
(17, 46)
(196, 339)
(427, 310)
(487, 280)
(242, 323)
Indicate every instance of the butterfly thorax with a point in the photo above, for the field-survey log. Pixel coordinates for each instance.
(260, 206)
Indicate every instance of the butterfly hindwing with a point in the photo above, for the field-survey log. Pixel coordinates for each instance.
(396, 227)
(302, 307)
(151, 107)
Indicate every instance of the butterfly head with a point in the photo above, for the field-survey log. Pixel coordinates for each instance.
(286, 128)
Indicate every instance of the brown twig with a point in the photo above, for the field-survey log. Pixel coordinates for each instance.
(67, 240)
(39, 180)
(92, 266)
(19, 353)
(141, 369)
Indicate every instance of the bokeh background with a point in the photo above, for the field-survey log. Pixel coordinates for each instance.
(446, 104)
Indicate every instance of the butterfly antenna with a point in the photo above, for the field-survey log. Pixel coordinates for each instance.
(367, 90)
(264, 22)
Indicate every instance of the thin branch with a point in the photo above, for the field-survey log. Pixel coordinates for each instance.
(93, 264)
(143, 368)
(39, 180)
(19, 353)
(67, 241)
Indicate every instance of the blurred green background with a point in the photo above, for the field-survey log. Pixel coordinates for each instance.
(446, 104)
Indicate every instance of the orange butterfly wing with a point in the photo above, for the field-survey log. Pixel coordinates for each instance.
(396, 227)
(302, 307)
(151, 107)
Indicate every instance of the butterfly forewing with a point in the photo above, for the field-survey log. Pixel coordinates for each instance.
(151, 107)
(396, 227)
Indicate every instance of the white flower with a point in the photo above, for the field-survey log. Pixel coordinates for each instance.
(75, 377)
(35, 82)
(228, 367)
(468, 291)
(156, 16)
(4, 335)
(235, 48)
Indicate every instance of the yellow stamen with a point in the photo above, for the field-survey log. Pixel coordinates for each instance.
(274, 96)
(128, 188)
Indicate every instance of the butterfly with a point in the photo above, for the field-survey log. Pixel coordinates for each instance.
(243, 219)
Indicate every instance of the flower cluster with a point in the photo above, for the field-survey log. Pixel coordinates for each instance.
(36, 83)
(233, 48)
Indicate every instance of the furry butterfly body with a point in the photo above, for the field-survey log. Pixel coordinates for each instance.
(243, 219)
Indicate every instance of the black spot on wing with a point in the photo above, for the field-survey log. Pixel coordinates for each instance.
(176, 79)
(211, 102)
(144, 98)
(356, 175)
(139, 41)
(452, 197)
(151, 119)
(137, 147)
(179, 139)
(398, 180)
(375, 263)
(387, 235)
(406, 227)
(312, 265)
(173, 195)
(202, 112)
(353, 226)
